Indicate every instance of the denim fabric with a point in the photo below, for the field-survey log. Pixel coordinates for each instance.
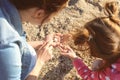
(17, 58)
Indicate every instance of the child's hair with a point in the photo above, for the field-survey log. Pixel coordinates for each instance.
(103, 36)
(49, 6)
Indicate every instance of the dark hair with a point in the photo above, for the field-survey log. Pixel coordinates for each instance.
(105, 32)
(49, 6)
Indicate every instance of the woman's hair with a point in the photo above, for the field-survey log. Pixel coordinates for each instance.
(49, 6)
(103, 36)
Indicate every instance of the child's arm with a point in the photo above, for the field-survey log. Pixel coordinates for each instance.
(88, 74)
(81, 68)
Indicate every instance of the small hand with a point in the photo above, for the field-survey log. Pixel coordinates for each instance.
(67, 51)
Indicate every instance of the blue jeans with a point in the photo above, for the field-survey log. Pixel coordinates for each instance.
(13, 65)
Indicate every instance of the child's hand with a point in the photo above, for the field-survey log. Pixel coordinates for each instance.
(67, 51)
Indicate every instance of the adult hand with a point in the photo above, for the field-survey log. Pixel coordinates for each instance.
(61, 39)
(43, 56)
(45, 52)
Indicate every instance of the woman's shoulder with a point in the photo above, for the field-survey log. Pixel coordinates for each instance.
(7, 32)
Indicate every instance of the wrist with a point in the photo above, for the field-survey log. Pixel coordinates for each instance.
(35, 44)
(73, 58)
(37, 68)
(40, 62)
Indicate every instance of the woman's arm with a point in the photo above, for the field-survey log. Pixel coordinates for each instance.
(36, 71)
(43, 55)
(36, 44)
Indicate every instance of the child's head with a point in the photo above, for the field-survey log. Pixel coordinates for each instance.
(102, 35)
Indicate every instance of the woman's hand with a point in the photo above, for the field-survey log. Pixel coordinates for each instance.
(67, 51)
(44, 53)
(43, 56)
(60, 39)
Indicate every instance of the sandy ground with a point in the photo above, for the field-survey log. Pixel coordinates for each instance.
(74, 16)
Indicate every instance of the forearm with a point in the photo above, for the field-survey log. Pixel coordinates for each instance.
(43, 55)
(35, 44)
(86, 73)
(34, 74)
(82, 69)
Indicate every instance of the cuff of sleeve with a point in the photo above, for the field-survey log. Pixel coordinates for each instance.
(77, 62)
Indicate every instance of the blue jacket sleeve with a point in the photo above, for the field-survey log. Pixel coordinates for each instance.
(10, 62)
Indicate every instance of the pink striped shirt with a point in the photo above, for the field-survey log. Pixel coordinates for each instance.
(110, 73)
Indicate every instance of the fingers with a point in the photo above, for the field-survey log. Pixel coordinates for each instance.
(67, 51)
(58, 34)
(62, 36)
(45, 46)
(53, 39)
(57, 38)
(64, 49)
(45, 52)
(56, 41)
